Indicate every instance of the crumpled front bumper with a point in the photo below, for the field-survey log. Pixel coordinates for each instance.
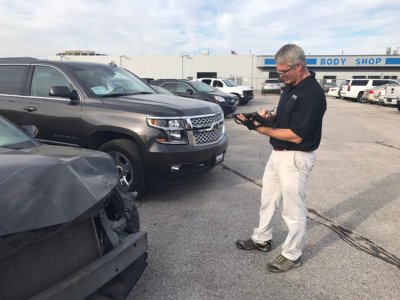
(112, 276)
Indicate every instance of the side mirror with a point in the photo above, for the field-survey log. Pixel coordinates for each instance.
(190, 91)
(63, 91)
(31, 130)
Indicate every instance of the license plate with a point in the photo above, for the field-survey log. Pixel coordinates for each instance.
(219, 158)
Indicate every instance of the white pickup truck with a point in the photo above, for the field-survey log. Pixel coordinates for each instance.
(393, 96)
(243, 93)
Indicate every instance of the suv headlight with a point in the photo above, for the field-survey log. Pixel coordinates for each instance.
(173, 130)
(219, 99)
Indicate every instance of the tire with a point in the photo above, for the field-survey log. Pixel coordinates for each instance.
(241, 100)
(130, 165)
(398, 108)
(360, 99)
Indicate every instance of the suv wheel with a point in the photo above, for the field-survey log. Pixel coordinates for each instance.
(398, 108)
(129, 162)
(360, 99)
(242, 101)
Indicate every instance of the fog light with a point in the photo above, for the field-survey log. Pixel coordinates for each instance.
(175, 168)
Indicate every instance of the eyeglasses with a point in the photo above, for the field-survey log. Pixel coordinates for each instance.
(284, 72)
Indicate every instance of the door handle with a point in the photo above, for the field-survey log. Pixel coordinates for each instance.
(30, 108)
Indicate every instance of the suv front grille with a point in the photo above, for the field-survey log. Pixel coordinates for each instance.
(205, 130)
(248, 93)
(207, 119)
(208, 137)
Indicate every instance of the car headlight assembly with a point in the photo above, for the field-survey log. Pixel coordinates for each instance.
(173, 130)
(219, 98)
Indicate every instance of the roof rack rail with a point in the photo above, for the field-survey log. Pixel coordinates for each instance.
(19, 58)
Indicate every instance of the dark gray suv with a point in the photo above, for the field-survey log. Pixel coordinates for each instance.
(154, 139)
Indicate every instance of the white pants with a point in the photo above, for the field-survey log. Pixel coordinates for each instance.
(285, 180)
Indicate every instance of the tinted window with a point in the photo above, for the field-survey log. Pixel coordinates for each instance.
(11, 79)
(161, 90)
(346, 82)
(393, 82)
(379, 82)
(182, 87)
(46, 77)
(170, 86)
(217, 83)
(272, 81)
(14, 138)
(207, 81)
(360, 82)
(202, 87)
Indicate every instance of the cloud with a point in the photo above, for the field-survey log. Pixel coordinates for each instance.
(43, 28)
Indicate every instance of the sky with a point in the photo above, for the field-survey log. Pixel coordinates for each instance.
(42, 28)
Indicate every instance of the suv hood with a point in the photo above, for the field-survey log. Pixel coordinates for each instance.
(50, 185)
(244, 88)
(222, 94)
(163, 105)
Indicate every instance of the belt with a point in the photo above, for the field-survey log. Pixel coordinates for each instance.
(277, 149)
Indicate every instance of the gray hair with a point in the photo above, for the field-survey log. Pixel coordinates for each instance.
(291, 54)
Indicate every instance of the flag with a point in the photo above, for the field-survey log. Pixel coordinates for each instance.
(234, 53)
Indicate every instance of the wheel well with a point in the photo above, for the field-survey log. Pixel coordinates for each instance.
(101, 137)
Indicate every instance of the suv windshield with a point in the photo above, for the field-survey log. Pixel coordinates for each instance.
(202, 87)
(229, 83)
(105, 81)
(13, 138)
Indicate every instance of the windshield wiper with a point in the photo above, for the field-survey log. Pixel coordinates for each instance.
(142, 93)
(116, 95)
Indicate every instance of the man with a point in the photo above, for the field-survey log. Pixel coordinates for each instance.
(295, 137)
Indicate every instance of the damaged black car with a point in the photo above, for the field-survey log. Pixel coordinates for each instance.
(67, 228)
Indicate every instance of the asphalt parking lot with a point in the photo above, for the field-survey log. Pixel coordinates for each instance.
(353, 198)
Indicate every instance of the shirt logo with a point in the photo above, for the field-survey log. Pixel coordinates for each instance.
(294, 97)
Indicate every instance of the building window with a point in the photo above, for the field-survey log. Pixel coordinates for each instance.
(273, 75)
(206, 75)
(359, 77)
(374, 77)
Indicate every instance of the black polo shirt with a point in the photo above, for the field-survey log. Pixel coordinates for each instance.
(301, 109)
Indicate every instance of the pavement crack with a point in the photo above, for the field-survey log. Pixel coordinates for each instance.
(380, 143)
(357, 241)
(241, 175)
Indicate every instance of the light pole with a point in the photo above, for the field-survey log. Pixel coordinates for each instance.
(120, 60)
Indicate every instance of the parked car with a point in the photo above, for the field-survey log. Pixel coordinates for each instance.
(272, 85)
(155, 140)
(161, 90)
(198, 90)
(243, 93)
(372, 95)
(353, 89)
(147, 80)
(334, 92)
(326, 86)
(67, 229)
